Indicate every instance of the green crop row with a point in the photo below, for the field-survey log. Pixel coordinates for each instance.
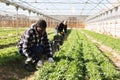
(12, 40)
(78, 59)
(8, 42)
(68, 65)
(9, 55)
(9, 32)
(105, 39)
(98, 65)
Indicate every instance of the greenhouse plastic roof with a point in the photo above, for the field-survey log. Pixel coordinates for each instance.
(66, 7)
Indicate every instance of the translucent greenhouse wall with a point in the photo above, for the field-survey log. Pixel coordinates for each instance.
(106, 23)
(23, 21)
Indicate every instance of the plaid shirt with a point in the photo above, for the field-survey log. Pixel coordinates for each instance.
(31, 38)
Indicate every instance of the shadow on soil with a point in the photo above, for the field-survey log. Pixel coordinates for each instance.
(13, 68)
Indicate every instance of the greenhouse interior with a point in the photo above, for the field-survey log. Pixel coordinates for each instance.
(60, 39)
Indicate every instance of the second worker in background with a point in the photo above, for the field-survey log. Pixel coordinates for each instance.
(61, 28)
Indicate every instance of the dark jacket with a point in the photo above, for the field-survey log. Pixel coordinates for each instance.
(65, 28)
(31, 38)
(60, 27)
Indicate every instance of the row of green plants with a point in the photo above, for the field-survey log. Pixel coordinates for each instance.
(105, 39)
(9, 36)
(78, 59)
(8, 50)
(11, 40)
(8, 42)
(9, 56)
(9, 32)
(67, 66)
(97, 64)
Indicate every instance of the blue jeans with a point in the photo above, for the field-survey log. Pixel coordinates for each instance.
(36, 52)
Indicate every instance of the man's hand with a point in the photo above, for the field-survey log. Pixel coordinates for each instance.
(29, 59)
(50, 59)
(40, 63)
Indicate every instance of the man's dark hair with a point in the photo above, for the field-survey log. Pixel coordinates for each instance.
(41, 23)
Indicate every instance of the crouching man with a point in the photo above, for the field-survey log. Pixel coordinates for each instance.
(34, 43)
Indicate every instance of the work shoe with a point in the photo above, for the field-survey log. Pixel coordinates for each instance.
(29, 67)
(28, 60)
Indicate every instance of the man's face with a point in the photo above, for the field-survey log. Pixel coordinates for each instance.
(41, 30)
(64, 22)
